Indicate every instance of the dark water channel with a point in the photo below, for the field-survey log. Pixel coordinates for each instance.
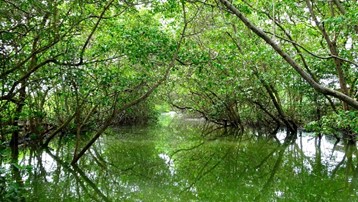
(188, 160)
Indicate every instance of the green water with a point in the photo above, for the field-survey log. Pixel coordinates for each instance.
(187, 160)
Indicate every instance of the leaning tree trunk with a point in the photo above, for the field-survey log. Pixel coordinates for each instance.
(319, 88)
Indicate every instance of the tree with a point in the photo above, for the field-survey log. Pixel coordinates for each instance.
(318, 87)
(75, 66)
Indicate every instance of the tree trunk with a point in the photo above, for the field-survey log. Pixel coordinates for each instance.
(319, 88)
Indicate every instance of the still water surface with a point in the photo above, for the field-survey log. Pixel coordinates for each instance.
(188, 160)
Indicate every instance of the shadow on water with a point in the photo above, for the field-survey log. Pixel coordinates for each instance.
(189, 160)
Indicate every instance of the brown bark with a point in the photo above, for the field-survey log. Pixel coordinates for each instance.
(59, 129)
(319, 88)
(275, 100)
(115, 111)
(333, 49)
(134, 102)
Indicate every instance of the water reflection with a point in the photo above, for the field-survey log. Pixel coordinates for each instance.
(191, 161)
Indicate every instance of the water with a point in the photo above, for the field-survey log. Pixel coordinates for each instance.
(188, 160)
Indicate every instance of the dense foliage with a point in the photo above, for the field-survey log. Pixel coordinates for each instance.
(297, 74)
(71, 67)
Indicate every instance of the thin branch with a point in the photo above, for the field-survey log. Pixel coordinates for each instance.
(313, 54)
(339, 6)
(89, 62)
(94, 30)
(11, 93)
(319, 88)
(116, 110)
(17, 7)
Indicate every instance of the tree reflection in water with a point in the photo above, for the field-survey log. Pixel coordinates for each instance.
(188, 160)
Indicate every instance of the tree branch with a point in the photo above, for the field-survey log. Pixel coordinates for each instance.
(289, 60)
